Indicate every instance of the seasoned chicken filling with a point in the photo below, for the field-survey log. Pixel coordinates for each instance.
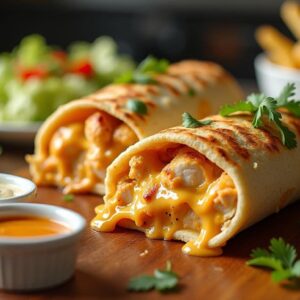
(173, 193)
(79, 153)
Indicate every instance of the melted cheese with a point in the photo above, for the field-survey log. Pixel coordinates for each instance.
(77, 160)
(163, 212)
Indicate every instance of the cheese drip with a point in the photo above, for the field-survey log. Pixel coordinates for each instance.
(80, 152)
(187, 198)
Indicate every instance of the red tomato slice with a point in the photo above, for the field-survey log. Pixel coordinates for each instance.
(37, 72)
(83, 67)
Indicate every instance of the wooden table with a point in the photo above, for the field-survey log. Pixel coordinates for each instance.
(107, 260)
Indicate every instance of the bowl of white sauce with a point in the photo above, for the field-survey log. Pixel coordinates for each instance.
(15, 189)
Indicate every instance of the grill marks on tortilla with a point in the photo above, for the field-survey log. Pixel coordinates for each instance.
(229, 136)
(230, 139)
(253, 138)
(245, 138)
(177, 81)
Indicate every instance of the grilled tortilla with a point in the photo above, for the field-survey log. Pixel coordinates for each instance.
(76, 144)
(202, 185)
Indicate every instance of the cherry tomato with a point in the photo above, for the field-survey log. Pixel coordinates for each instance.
(83, 67)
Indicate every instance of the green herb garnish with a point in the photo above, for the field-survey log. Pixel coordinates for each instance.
(261, 105)
(153, 65)
(145, 71)
(191, 92)
(161, 280)
(137, 106)
(281, 258)
(69, 197)
(189, 122)
(143, 78)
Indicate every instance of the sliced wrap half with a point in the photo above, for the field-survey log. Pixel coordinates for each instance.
(201, 185)
(76, 144)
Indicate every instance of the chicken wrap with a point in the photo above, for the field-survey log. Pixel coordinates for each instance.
(202, 185)
(76, 144)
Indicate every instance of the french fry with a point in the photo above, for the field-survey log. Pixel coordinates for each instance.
(290, 13)
(278, 46)
(296, 54)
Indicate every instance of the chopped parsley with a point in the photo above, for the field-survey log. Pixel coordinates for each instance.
(191, 92)
(153, 65)
(280, 257)
(161, 280)
(144, 72)
(69, 197)
(137, 106)
(189, 122)
(261, 105)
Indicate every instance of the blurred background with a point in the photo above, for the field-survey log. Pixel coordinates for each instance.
(217, 30)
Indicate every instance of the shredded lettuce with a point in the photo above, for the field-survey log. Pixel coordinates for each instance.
(34, 82)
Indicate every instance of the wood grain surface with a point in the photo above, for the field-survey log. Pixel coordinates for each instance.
(106, 261)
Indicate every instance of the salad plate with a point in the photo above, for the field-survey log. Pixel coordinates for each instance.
(36, 78)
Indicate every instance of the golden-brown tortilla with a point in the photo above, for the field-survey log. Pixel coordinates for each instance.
(265, 173)
(188, 86)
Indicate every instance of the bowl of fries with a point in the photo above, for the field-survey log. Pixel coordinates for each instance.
(280, 62)
(271, 77)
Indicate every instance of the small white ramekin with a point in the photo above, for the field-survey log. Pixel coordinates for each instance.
(39, 262)
(271, 78)
(27, 186)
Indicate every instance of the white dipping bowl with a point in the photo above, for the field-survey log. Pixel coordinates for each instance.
(39, 262)
(27, 186)
(271, 78)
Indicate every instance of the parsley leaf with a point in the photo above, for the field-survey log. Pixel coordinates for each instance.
(281, 275)
(69, 197)
(228, 109)
(142, 283)
(189, 122)
(191, 92)
(126, 77)
(137, 106)
(258, 252)
(288, 137)
(296, 268)
(268, 262)
(293, 107)
(261, 105)
(143, 78)
(161, 280)
(153, 65)
(287, 92)
(166, 280)
(144, 71)
(284, 252)
(280, 258)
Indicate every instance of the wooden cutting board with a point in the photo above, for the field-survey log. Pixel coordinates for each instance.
(106, 261)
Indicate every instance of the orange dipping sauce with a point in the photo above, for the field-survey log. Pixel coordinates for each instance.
(30, 226)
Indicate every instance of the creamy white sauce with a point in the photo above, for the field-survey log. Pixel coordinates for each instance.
(8, 190)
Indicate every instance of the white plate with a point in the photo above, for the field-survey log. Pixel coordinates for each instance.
(18, 133)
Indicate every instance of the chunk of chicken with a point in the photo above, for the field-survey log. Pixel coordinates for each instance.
(124, 192)
(141, 165)
(184, 169)
(99, 128)
(191, 221)
(66, 142)
(137, 167)
(225, 200)
(124, 135)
